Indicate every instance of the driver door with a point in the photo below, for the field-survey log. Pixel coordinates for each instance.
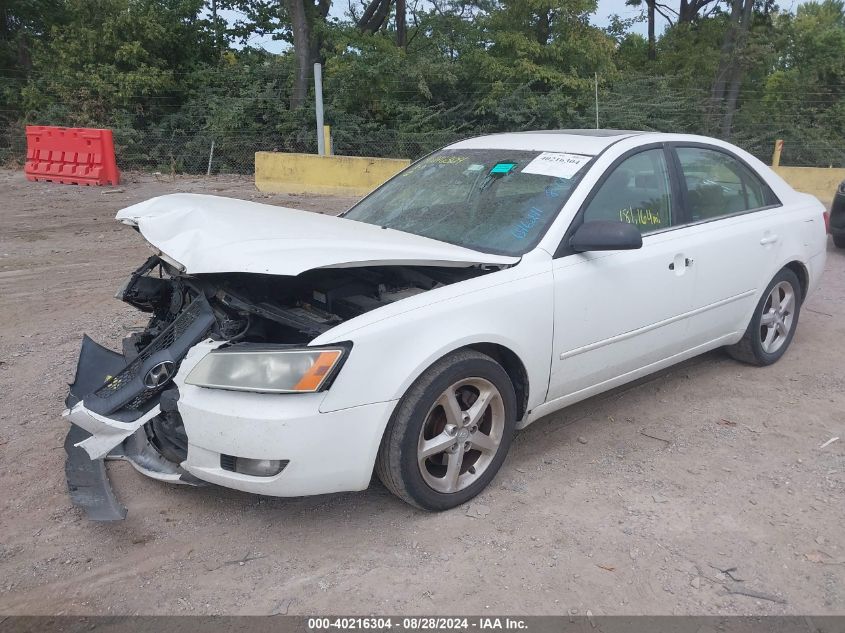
(617, 312)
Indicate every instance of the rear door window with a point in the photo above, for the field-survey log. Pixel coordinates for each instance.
(719, 185)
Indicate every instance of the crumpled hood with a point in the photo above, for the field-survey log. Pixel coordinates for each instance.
(212, 234)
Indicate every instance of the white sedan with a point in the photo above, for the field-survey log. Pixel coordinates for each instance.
(489, 284)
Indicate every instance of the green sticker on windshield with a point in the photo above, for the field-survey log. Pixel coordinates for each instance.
(502, 168)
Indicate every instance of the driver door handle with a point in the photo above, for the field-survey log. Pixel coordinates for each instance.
(768, 239)
(682, 263)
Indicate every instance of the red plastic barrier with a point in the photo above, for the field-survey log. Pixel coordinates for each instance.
(70, 155)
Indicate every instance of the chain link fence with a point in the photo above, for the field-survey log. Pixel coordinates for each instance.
(185, 143)
(233, 152)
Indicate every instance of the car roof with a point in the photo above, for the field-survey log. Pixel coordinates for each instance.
(587, 142)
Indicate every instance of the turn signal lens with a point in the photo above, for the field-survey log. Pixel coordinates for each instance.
(315, 376)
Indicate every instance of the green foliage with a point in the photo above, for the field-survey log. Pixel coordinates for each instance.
(170, 80)
(801, 100)
(112, 57)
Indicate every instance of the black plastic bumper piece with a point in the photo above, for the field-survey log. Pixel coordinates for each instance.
(95, 366)
(88, 482)
(124, 395)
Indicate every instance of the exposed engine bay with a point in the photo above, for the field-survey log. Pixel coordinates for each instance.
(258, 308)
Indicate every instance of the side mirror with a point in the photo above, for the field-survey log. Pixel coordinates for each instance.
(603, 235)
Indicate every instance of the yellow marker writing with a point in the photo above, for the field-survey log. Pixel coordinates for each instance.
(640, 217)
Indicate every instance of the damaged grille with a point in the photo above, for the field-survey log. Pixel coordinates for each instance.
(161, 342)
(126, 392)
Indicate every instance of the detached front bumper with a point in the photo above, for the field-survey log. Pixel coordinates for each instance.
(320, 452)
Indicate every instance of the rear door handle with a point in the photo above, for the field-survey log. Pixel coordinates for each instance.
(768, 239)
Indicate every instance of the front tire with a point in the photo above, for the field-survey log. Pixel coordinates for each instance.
(450, 432)
(773, 325)
(839, 240)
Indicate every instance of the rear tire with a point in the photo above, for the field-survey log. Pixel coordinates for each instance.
(773, 325)
(449, 433)
(839, 241)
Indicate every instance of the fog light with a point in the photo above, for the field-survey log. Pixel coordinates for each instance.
(253, 467)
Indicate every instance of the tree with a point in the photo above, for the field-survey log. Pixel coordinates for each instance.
(22, 23)
(112, 55)
(650, 12)
(374, 16)
(688, 12)
(726, 84)
(301, 23)
(401, 26)
(691, 10)
(404, 77)
(798, 96)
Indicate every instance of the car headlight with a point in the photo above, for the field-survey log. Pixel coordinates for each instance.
(289, 370)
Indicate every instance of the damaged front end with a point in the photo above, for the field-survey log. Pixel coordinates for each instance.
(122, 405)
(125, 405)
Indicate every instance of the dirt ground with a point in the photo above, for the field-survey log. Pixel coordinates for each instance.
(701, 490)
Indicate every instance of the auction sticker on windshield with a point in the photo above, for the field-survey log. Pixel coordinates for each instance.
(556, 164)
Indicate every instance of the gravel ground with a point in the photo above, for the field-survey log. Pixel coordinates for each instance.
(700, 490)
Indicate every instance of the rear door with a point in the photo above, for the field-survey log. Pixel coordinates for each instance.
(733, 238)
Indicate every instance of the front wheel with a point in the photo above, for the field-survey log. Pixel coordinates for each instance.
(839, 240)
(773, 324)
(450, 433)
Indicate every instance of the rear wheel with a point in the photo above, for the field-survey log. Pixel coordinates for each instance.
(839, 241)
(773, 325)
(450, 433)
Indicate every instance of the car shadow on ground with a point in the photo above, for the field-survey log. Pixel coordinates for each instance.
(549, 438)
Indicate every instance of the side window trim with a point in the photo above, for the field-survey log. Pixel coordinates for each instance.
(681, 209)
(563, 248)
(673, 146)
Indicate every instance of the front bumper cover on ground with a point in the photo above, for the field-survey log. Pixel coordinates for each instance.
(88, 482)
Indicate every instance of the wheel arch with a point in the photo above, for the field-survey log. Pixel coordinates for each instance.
(509, 360)
(802, 273)
(513, 366)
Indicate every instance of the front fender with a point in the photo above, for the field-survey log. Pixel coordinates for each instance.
(515, 309)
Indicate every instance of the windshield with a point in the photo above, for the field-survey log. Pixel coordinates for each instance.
(491, 200)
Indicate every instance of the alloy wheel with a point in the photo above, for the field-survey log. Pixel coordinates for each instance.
(461, 435)
(778, 317)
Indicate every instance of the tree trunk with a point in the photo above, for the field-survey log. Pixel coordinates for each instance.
(652, 46)
(302, 52)
(368, 14)
(401, 25)
(374, 16)
(381, 16)
(307, 19)
(725, 91)
(684, 12)
(737, 70)
(689, 9)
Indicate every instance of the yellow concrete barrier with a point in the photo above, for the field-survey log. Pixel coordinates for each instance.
(818, 181)
(276, 172)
